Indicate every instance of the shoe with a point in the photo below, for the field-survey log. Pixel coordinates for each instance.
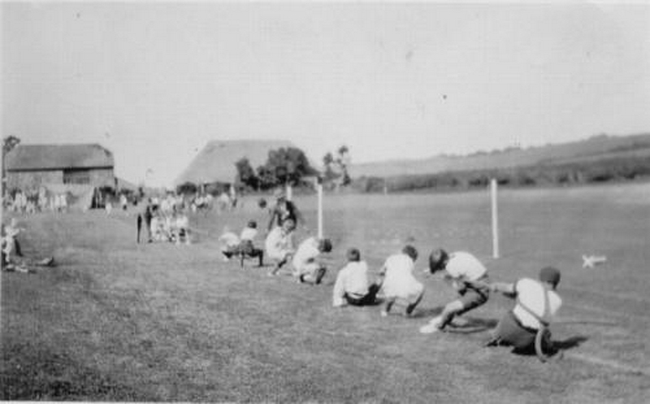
(429, 329)
(460, 322)
(432, 327)
(492, 342)
(384, 313)
(321, 274)
(46, 262)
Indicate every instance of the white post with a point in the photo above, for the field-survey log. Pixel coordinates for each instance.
(495, 219)
(319, 187)
(289, 192)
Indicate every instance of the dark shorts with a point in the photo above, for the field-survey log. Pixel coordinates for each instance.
(473, 297)
(246, 247)
(368, 299)
(511, 332)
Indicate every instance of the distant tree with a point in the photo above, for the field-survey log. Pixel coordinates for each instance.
(336, 168)
(343, 160)
(246, 174)
(328, 163)
(285, 166)
(8, 144)
(266, 177)
(187, 188)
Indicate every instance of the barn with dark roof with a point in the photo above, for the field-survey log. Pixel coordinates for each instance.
(32, 165)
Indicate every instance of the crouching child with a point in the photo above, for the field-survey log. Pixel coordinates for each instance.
(399, 283)
(307, 265)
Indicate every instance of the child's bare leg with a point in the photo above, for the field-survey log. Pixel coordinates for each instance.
(277, 266)
(387, 306)
(411, 307)
(449, 312)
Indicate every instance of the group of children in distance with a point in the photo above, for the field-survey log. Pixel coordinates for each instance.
(170, 225)
(536, 300)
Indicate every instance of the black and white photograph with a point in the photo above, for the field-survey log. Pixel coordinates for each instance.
(325, 201)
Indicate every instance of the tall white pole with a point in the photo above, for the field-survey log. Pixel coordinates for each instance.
(495, 219)
(319, 186)
(289, 192)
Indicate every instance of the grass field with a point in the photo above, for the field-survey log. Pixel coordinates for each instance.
(157, 322)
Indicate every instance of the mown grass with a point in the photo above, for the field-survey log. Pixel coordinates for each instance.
(151, 322)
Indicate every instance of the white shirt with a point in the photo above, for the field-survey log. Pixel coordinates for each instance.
(229, 239)
(351, 279)
(531, 293)
(248, 234)
(399, 280)
(307, 253)
(278, 243)
(463, 265)
(182, 222)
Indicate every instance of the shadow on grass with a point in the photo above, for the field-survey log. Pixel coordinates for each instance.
(474, 325)
(40, 373)
(570, 343)
(558, 346)
(427, 312)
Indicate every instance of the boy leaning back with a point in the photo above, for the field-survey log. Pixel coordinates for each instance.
(468, 276)
(536, 305)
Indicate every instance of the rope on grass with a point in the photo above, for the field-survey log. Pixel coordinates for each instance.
(540, 337)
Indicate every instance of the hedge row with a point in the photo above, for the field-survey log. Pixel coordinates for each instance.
(614, 169)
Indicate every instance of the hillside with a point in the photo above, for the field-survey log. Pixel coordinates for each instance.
(594, 148)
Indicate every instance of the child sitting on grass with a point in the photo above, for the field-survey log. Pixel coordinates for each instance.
(11, 261)
(352, 285)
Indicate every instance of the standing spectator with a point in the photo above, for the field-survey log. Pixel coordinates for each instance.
(279, 245)
(284, 210)
(148, 216)
(123, 202)
(398, 281)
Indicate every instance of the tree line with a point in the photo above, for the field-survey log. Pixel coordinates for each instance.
(617, 169)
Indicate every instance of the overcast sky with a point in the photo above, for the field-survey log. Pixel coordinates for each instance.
(154, 82)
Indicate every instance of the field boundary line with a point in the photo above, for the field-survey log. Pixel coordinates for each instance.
(594, 360)
(606, 294)
(608, 312)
